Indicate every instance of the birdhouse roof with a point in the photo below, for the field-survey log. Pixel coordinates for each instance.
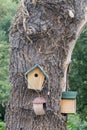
(69, 95)
(39, 100)
(35, 67)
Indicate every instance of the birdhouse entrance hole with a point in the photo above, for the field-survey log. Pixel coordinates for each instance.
(44, 106)
(36, 75)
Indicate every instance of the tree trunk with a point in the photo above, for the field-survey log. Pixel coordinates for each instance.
(44, 32)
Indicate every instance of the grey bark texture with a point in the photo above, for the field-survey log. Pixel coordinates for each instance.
(40, 34)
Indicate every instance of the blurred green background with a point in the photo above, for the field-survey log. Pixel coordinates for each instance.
(77, 78)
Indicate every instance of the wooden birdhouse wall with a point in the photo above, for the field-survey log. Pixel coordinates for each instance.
(38, 109)
(68, 106)
(35, 79)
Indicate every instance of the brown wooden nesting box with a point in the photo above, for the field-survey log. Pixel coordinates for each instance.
(68, 102)
(36, 77)
(38, 105)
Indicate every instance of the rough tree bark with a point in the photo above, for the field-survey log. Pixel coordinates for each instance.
(43, 32)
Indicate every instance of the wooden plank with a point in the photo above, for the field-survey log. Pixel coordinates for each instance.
(68, 106)
(35, 79)
(38, 109)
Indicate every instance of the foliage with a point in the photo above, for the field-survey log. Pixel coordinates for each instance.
(7, 11)
(75, 123)
(78, 75)
(4, 82)
(2, 124)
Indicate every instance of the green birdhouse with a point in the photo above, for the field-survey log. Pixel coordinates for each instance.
(68, 102)
(35, 77)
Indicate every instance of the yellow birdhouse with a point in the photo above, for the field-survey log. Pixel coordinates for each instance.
(68, 102)
(36, 76)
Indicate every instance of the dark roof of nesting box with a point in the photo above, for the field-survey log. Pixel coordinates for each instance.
(35, 67)
(39, 100)
(69, 95)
